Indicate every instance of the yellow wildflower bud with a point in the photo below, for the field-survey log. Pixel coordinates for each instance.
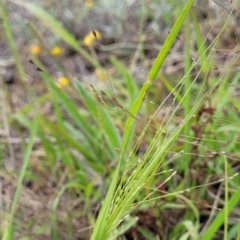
(101, 74)
(89, 3)
(35, 50)
(62, 82)
(56, 51)
(89, 39)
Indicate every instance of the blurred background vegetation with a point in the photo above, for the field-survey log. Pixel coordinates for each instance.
(71, 70)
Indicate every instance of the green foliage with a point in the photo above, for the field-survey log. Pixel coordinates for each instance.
(112, 163)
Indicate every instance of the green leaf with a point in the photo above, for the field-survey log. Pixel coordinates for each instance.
(218, 221)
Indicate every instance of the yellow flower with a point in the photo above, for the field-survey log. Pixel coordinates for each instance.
(101, 74)
(89, 3)
(89, 39)
(35, 50)
(62, 82)
(56, 51)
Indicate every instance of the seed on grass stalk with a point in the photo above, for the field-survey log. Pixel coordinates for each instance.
(37, 68)
(175, 155)
(93, 88)
(234, 175)
(195, 142)
(228, 141)
(205, 97)
(99, 96)
(119, 105)
(94, 33)
(215, 88)
(103, 93)
(114, 98)
(151, 102)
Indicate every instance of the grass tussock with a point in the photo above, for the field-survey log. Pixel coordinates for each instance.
(113, 131)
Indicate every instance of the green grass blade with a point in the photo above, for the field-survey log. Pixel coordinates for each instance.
(187, 99)
(238, 234)
(99, 227)
(107, 123)
(226, 189)
(11, 41)
(100, 230)
(70, 107)
(26, 160)
(170, 87)
(90, 131)
(202, 50)
(219, 220)
(131, 85)
(154, 72)
(62, 133)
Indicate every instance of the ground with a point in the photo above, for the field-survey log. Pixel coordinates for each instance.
(131, 32)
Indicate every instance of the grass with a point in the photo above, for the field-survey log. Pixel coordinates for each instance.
(103, 163)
